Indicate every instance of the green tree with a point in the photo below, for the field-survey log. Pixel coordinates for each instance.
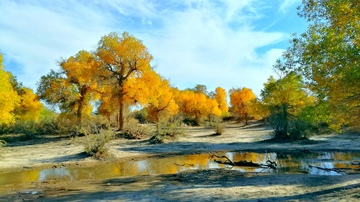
(327, 56)
(285, 98)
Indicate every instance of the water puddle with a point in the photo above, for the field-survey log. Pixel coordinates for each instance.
(326, 163)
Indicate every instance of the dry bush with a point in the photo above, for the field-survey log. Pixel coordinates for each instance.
(93, 125)
(172, 129)
(133, 130)
(67, 124)
(219, 126)
(169, 130)
(2, 143)
(95, 144)
(31, 129)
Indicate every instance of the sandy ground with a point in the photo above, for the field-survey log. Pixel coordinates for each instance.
(206, 185)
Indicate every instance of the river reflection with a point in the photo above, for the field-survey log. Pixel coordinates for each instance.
(335, 163)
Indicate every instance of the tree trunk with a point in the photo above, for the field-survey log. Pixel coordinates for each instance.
(157, 123)
(285, 113)
(79, 115)
(121, 114)
(81, 106)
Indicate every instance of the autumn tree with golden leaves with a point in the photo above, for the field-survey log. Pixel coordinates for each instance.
(197, 105)
(74, 86)
(241, 101)
(221, 98)
(162, 104)
(9, 99)
(30, 107)
(121, 58)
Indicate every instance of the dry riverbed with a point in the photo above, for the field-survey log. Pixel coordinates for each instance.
(221, 184)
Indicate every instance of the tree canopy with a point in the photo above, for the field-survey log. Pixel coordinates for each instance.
(241, 101)
(9, 99)
(122, 58)
(327, 56)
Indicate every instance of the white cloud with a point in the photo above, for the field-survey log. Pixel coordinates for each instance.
(37, 35)
(198, 46)
(196, 42)
(286, 4)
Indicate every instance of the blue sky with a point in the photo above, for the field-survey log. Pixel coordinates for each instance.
(227, 43)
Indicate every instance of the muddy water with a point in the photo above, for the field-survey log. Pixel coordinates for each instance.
(336, 163)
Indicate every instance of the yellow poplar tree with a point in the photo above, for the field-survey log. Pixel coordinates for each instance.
(9, 99)
(74, 86)
(81, 71)
(121, 57)
(30, 107)
(153, 92)
(197, 105)
(164, 105)
(221, 98)
(241, 100)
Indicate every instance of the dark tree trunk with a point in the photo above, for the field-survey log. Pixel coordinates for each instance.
(121, 114)
(83, 92)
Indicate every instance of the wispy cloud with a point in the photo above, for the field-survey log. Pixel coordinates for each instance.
(193, 42)
(37, 34)
(286, 4)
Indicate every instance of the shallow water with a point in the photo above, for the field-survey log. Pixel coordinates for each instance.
(326, 163)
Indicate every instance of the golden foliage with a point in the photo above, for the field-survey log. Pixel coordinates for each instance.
(30, 107)
(197, 105)
(123, 62)
(9, 99)
(153, 92)
(163, 105)
(241, 100)
(286, 91)
(221, 99)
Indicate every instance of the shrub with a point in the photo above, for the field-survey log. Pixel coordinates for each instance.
(93, 125)
(157, 139)
(191, 122)
(95, 144)
(2, 143)
(279, 122)
(219, 127)
(141, 115)
(133, 130)
(26, 128)
(67, 124)
(300, 129)
(289, 127)
(169, 130)
(172, 128)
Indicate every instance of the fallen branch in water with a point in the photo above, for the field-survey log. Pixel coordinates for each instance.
(325, 169)
(269, 164)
